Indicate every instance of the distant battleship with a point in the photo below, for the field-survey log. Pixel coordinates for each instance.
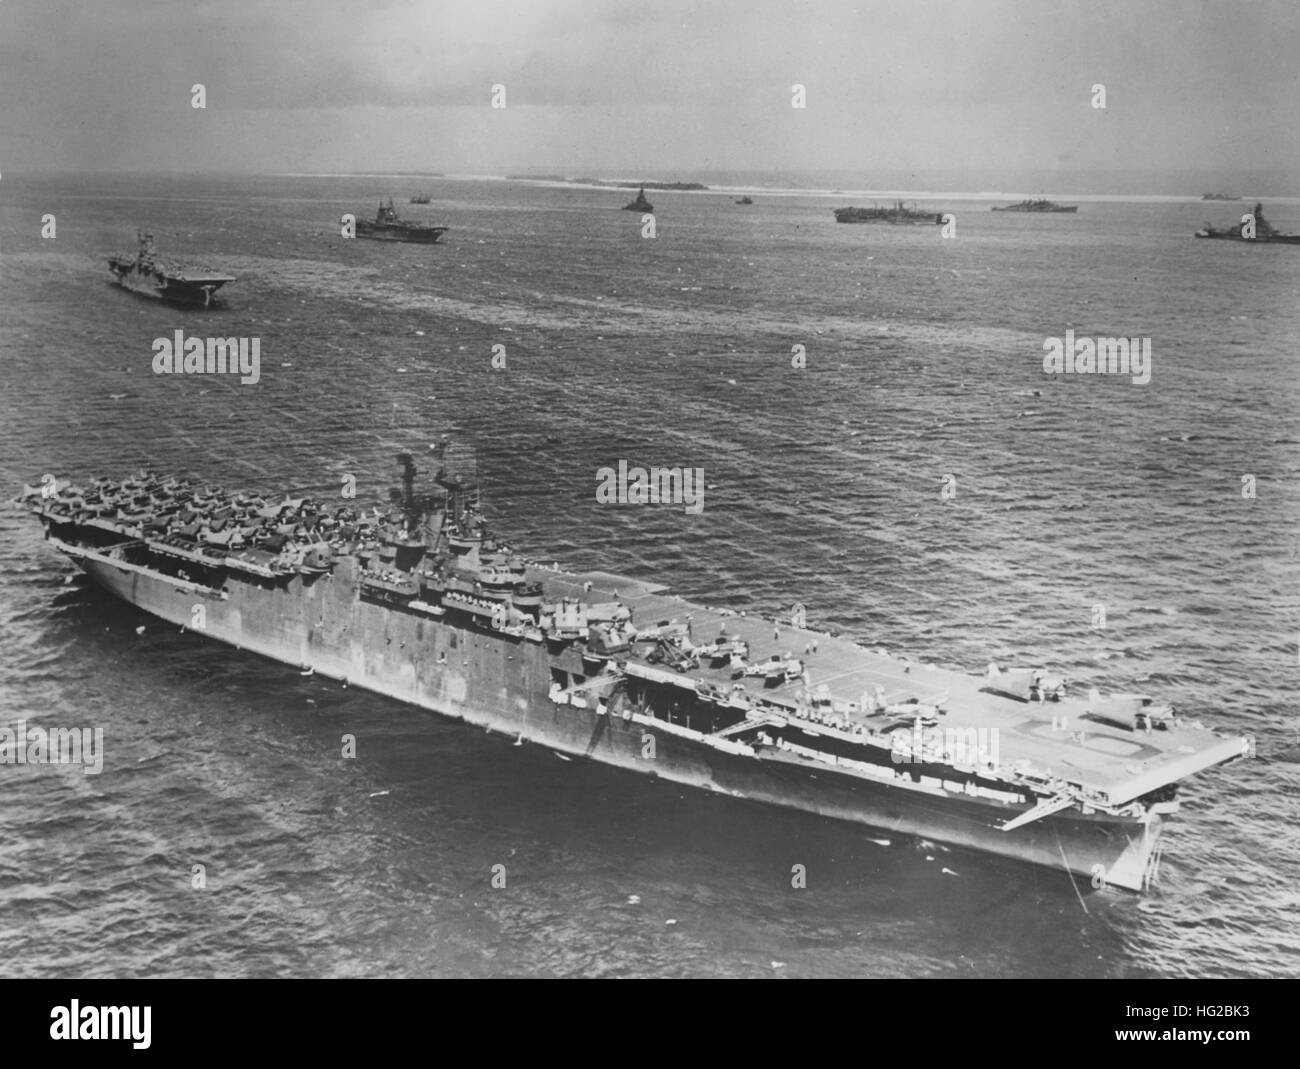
(1219, 196)
(388, 227)
(1039, 205)
(640, 204)
(419, 601)
(896, 214)
(745, 200)
(421, 198)
(1265, 233)
(145, 273)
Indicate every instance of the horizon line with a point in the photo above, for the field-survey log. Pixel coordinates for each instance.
(574, 183)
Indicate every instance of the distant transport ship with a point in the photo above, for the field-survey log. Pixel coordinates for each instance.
(897, 214)
(1265, 232)
(1219, 196)
(388, 227)
(421, 198)
(640, 204)
(1039, 205)
(420, 602)
(147, 274)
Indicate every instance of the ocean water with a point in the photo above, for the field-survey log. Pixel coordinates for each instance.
(924, 360)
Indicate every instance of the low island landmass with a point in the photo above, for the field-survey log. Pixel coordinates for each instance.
(689, 187)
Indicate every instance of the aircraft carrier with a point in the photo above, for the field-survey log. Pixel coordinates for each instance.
(899, 213)
(386, 226)
(151, 276)
(417, 600)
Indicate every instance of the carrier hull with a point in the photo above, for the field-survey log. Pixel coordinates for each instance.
(501, 682)
(413, 234)
(422, 603)
(1233, 235)
(199, 291)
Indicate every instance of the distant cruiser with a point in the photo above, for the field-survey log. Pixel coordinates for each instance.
(1042, 204)
(1265, 233)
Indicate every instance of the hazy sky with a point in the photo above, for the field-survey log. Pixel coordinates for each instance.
(993, 90)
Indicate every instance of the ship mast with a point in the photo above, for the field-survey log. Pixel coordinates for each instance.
(418, 508)
(408, 484)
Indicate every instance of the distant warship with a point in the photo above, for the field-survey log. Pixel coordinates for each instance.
(640, 204)
(745, 200)
(420, 602)
(145, 273)
(421, 198)
(897, 214)
(1219, 196)
(1039, 205)
(388, 227)
(1265, 232)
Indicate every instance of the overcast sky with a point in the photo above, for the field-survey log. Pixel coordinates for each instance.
(986, 87)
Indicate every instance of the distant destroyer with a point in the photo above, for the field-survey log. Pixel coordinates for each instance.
(640, 204)
(419, 601)
(1039, 205)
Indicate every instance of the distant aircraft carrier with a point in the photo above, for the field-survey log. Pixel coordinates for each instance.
(147, 274)
(386, 226)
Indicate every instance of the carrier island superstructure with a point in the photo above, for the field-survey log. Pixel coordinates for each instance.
(419, 601)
